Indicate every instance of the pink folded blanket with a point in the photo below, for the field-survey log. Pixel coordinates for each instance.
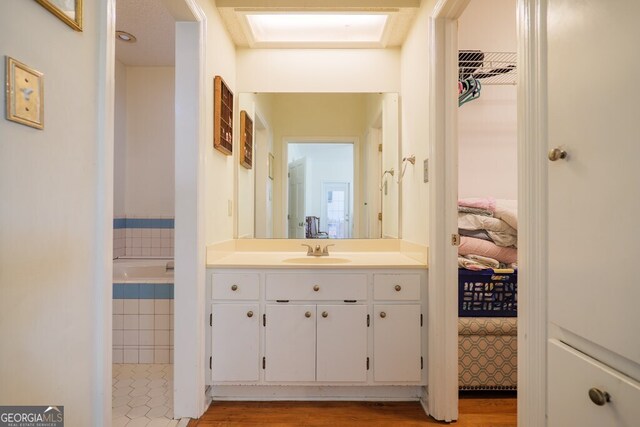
(488, 203)
(471, 246)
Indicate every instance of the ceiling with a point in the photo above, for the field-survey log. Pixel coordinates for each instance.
(154, 27)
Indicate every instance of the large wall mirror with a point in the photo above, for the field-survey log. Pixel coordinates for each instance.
(325, 166)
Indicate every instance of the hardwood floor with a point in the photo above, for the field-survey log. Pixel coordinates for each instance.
(475, 411)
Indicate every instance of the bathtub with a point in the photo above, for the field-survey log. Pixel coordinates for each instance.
(142, 270)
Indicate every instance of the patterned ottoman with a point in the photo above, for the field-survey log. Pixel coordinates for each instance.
(487, 353)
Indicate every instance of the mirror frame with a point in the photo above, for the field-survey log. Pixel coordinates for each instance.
(76, 23)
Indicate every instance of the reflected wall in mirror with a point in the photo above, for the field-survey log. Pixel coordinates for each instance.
(334, 164)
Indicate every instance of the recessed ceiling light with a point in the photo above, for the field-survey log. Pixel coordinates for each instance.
(310, 27)
(125, 37)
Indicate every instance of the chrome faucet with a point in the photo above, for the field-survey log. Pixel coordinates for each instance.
(317, 251)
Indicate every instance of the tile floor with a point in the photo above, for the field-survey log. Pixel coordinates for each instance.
(143, 395)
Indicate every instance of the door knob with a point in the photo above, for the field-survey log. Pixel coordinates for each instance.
(325, 314)
(249, 313)
(598, 396)
(234, 287)
(557, 154)
(398, 288)
(307, 314)
(383, 314)
(316, 288)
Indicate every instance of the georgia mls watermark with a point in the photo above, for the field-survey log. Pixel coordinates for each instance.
(31, 416)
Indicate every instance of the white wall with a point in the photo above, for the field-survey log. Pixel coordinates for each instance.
(415, 126)
(487, 128)
(54, 248)
(318, 70)
(120, 142)
(149, 146)
(220, 59)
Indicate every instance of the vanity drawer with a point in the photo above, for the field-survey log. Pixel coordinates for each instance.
(321, 287)
(572, 375)
(396, 287)
(235, 286)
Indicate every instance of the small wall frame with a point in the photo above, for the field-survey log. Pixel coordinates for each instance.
(246, 140)
(68, 11)
(25, 94)
(222, 117)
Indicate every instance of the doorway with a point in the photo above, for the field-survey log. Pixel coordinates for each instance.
(336, 201)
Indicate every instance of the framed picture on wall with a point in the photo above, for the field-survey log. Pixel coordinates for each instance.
(69, 11)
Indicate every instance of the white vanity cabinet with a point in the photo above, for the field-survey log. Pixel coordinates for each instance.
(302, 333)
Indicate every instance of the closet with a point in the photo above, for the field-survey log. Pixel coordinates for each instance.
(487, 193)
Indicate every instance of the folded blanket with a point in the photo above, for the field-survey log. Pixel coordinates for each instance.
(501, 233)
(487, 204)
(471, 246)
(476, 211)
(470, 264)
(477, 234)
(493, 263)
(507, 210)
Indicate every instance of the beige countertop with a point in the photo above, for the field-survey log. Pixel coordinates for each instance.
(300, 260)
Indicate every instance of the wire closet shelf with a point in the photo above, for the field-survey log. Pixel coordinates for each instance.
(491, 68)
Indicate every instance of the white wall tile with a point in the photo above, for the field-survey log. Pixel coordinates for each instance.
(130, 306)
(136, 232)
(171, 356)
(156, 232)
(136, 250)
(161, 356)
(130, 321)
(117, 356)
(146, 322)
(146, 338)
(146, 251)
(130, 356)
(161, 338)
(156, 242)
(117, 305)
(170, 306)
(130, 338)
(165, 252)
(162, 306)
(117, 321)
(116, 338)
(145, 232)
(171, 322)
(171, 338)
(146, 306)
(146, 356)
(162, 321)
(165, 233)
(145, 242)
(156, 251)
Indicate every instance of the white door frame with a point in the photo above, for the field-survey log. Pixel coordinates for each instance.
(532, 211)
(349, 206)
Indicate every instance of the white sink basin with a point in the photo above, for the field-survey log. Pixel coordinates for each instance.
(317, 260)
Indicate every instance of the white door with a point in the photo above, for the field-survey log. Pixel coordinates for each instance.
(290, 343)
(342, 343)
(235, 341)
(336, 210)
(594, 193)
(296, 214)
(396, 342)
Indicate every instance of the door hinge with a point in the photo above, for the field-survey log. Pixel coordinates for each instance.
(421, 320)
(264, 320)
(379, 216)
(368, 320)
(380, 148)
(288, 174)
(421, 362)
(288, 217)
(210, 319)
(210, 362)
(367, 363)
(455, 240)
(264, 363)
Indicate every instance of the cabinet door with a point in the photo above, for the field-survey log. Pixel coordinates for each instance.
(396, 343)
(235, 342)
(290, 343)
(342, 343)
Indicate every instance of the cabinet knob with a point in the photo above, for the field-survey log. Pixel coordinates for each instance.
(325, 314)
(598, 396)
(383, 314)
(249, 313)
(316, 288)
(234, 287)
(307, 314)
(398, 288)
(557, 154)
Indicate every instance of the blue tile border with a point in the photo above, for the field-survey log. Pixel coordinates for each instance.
(119, 223)
(143, 291)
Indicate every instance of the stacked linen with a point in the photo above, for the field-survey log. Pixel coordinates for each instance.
(489, 236)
